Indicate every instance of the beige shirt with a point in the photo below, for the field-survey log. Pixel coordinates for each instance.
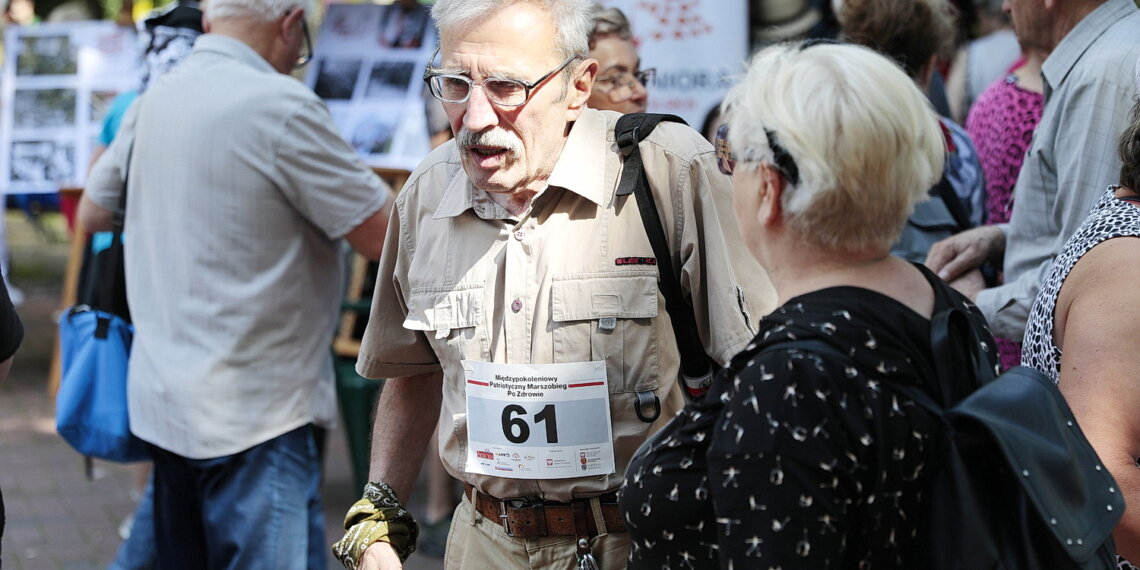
(470, 281)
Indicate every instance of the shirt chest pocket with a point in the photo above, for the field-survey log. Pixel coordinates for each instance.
(609, 317)
(452, 320)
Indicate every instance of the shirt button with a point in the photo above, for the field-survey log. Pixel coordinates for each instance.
(516, 305)
(519, 235)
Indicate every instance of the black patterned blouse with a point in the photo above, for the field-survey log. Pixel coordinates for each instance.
(794, 459)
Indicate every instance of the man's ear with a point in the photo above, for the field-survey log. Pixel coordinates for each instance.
(581, 83)
(289, 25)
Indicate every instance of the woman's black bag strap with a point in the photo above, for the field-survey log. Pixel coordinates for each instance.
(696, 366)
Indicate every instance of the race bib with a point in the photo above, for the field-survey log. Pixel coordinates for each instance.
(538, 421)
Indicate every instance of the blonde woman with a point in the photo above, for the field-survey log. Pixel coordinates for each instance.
(805, 459)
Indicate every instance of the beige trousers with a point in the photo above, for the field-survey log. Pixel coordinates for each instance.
(475, 543)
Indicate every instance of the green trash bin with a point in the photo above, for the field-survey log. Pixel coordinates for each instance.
(357, 396)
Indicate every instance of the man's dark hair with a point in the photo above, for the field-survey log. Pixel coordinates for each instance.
(1129, 149)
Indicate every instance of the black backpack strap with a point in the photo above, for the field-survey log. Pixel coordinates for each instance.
(110, 289)
(954, 333)
(631, 129)
(946, 192)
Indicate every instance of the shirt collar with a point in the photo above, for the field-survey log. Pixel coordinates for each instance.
(580, 169)
(234, 48)
(1069, 51)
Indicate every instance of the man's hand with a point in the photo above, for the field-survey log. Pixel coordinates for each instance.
(959, 253)
(970, 284)
(380, 556)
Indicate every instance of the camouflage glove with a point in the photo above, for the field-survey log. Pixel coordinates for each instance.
(378, 517)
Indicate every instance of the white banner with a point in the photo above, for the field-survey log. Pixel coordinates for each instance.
(58, 80)
(697, 46)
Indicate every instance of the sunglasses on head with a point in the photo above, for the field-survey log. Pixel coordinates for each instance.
(726, 160)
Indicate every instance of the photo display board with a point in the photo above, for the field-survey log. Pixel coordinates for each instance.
(58, 81)
(368, 68)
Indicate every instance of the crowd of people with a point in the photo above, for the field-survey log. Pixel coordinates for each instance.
(518, 317)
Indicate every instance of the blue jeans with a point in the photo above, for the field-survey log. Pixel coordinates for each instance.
(259, 508)
(137, 551)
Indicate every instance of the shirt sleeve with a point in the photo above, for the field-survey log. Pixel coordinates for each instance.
(107, 179)
(321, 175)
(727, 288)
(1006, 306)
(1086, 162)
(385, 335)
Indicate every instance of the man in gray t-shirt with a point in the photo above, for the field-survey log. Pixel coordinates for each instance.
(240, 192)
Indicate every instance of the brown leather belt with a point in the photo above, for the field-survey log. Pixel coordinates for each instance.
(532, 518)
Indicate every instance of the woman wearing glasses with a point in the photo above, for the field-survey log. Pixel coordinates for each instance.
(809, 459)
(621, 82)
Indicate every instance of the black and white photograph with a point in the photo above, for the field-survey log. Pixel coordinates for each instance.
(44, 108)
(336, 78)
(389, 79)
(347, 22)
(403, 24)
(37, 162)
(47, 55)
(373, 134)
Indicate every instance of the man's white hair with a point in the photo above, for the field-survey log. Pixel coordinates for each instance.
(866, 142)
(571, 19)
(261, 10)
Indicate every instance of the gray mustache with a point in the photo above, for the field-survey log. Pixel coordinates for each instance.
(492, 137)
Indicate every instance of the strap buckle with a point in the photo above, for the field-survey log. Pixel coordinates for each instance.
(535, 509)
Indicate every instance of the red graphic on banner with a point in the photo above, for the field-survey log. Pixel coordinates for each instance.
(674, 20)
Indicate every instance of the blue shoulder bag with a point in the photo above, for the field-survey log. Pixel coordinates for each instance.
(95, 344)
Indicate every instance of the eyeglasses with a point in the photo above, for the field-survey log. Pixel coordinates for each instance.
(452, 88)
(726, 160)
(626, 79)
(307, 55)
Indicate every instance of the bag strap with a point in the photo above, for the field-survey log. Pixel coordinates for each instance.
(952, 334)
(631, 129)
(105, 288)
(946, 192)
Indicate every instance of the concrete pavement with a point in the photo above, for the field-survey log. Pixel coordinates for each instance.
(56, 518)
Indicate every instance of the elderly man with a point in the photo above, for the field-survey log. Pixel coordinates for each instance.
(1093, 47)
(239, 194)
(518, 296)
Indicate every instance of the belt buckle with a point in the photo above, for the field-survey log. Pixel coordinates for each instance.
(538, 513)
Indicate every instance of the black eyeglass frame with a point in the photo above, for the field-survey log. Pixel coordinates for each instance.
(303, 60)
(726, 160)
(528, 88)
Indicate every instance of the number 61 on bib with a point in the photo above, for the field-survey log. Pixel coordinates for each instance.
(538, 421)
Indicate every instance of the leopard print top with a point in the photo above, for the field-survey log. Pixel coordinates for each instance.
(1111, 217)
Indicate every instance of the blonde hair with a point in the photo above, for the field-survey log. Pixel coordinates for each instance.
(863, 137)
